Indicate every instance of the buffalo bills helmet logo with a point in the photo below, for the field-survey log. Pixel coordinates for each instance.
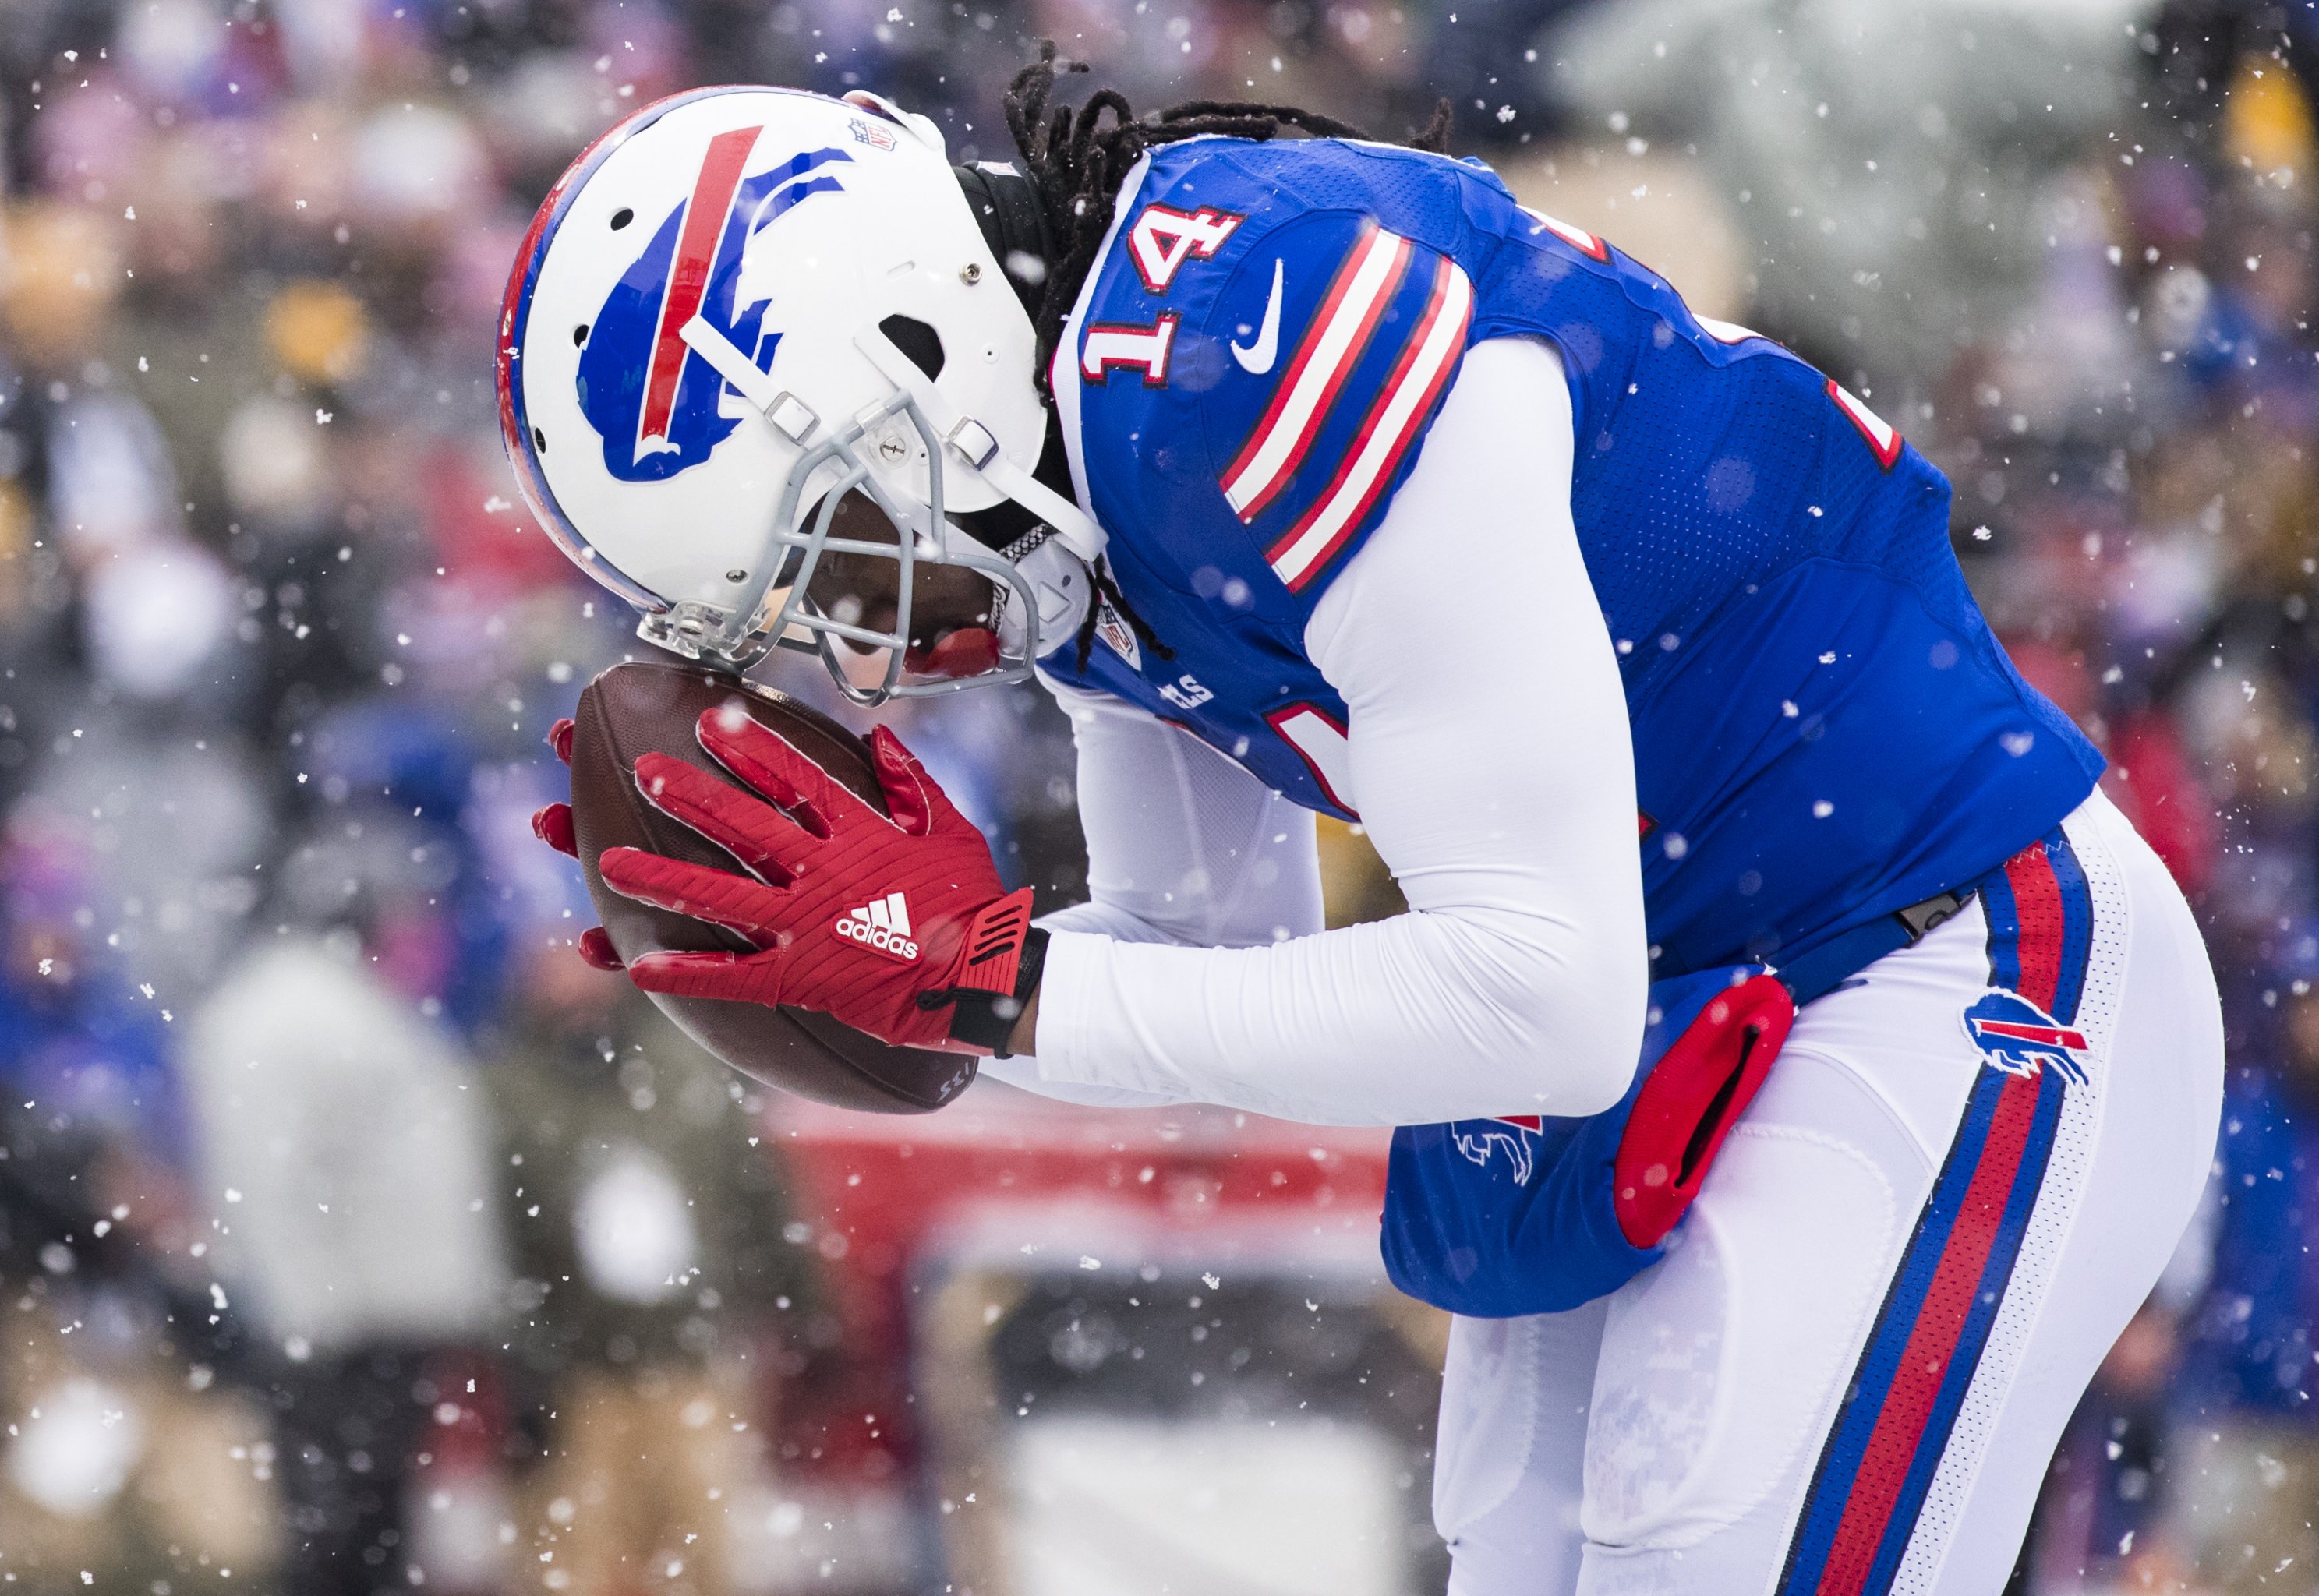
(658, 406)
(2017, 1036)
(1516, 1134)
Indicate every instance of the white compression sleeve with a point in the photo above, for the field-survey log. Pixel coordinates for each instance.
(1492, 764)
(1184, 847)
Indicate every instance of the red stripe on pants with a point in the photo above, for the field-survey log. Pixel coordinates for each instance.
(1925, 1361)
(2037, 902)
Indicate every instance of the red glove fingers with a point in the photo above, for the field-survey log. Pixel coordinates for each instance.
(730, 977)
(894, 923)
(751, 830)
(596, 948)
(552, 824)
(735, 902)
(767, 765)
(917, 804)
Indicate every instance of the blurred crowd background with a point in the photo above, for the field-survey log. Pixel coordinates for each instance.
(354, 1237)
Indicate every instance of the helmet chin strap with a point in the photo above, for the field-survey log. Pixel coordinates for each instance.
(725, 359)
(971, 442)
(974, 445)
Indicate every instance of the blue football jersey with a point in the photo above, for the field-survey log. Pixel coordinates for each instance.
(1825, 729)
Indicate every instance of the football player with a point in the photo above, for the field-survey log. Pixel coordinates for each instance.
(1315, 474)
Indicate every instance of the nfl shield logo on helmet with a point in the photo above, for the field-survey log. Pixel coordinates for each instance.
(657, 406)
(2017, 1036)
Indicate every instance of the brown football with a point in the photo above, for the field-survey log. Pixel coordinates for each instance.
(646, 706)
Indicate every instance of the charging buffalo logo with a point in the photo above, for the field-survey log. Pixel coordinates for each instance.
(1511, 1134)
(658, 405)
(2017, 1036)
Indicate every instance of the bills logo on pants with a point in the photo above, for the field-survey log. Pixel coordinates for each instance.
(1478, 1139)
(1912, 1379)
(2017, 1036)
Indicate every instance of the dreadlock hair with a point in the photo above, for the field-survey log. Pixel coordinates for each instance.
(1076, 163)
(1108, 588)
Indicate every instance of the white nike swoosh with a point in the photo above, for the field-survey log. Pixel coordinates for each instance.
(1257, 359)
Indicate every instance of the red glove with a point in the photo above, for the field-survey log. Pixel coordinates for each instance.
(881, 922)
(552, 824)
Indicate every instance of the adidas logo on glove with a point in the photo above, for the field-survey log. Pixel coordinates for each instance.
(883, 927)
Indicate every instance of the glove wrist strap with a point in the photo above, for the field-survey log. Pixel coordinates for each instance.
(984, 1019)
(995, 974)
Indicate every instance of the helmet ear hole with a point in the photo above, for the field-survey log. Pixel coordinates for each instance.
(920, 344)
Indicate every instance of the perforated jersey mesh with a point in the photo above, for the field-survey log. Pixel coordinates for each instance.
(1692, 482)
(1197, 850)
(1825, 730)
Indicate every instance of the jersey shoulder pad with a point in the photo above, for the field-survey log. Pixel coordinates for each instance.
(1341, 334)
(1270, 334)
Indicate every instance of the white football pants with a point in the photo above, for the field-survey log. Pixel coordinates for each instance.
(1915, 1248)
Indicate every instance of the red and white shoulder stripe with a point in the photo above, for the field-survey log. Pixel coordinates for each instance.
(1393, 422)
(1883, 438)
(1577, 238)
(1333, 345)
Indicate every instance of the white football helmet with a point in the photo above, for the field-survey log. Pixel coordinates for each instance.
(741, 305)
